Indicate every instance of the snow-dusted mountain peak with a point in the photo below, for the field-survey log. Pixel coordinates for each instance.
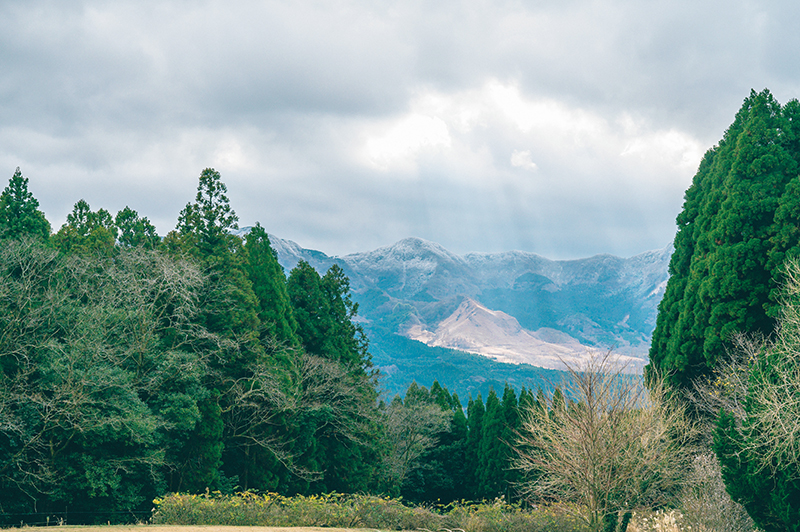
(413, 249)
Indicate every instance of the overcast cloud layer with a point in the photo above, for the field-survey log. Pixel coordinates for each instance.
(566, 128)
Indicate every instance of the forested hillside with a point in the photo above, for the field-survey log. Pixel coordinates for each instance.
(132, 366)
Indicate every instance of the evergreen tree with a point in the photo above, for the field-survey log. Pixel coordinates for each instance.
(87, 232)
(737, 225)
(511, 417)
(207, 222)
(229, 310)
(204, 233)
(19, 211)
(269, 285)
(756, 443)
(440, 476)
(135, 230)
(324, 312)
(475, 413)
(491, 451)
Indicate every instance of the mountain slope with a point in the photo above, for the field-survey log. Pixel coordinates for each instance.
(520, 307)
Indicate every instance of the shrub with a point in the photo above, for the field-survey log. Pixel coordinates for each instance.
(356, 511)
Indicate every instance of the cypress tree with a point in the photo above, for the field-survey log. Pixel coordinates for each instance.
(737, 226)
(475, 412)
(19, 211)
(491, 456)
(87, 232)
(269, 286)
(135, 230)
(511, 418)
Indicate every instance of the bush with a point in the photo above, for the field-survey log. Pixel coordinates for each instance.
(355, 511)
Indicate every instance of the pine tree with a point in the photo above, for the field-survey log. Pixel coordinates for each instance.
(735, 229)
(19, 211)
(511, 417)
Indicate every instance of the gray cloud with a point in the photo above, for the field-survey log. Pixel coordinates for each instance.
(566, 128)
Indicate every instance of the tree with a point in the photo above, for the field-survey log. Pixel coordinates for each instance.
(101, 373)
(757, 439)
(325, 311)
(475, 414)
(203, 232)
(612, 449)
(737, 226)
(439, 474)
(269, 285)
(19, 211)
(134, 230)
(491, 452)
(87, 232)
(207, 222)
(412, 428)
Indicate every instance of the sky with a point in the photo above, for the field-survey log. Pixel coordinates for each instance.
(566, 128)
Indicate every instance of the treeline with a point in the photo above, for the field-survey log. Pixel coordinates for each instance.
(437, 453)
(132, 366)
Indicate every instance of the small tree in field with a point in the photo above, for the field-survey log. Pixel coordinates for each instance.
(612, 447)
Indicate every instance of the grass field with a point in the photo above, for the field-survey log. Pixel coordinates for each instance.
(177, 528)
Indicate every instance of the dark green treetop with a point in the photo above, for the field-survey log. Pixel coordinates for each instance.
(737, 226)
(324, 311)
(207, 222)
(135, 230)
(87, 231)
(269, 286)
(19, 211)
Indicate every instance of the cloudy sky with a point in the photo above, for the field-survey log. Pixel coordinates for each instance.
(562, 127)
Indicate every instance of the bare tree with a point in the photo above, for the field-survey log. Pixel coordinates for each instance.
(612, 447)
(411, 429)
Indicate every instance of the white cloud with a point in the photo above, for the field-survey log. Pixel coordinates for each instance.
(522, 159)
(396, 145)
(427, 116)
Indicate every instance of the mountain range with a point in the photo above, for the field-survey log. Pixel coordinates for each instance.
(514, 307)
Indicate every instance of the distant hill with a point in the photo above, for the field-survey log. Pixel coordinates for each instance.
(513, 307)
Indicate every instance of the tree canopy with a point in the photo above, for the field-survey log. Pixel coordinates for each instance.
(738, 224)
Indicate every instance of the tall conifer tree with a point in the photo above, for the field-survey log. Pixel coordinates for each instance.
(269, 285)
(737, 226)
(19, 211)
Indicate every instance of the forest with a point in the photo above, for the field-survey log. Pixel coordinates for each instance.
(132, 366)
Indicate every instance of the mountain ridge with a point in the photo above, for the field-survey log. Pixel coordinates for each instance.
(413, 286)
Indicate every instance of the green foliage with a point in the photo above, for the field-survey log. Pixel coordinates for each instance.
(757, 445)
(87, 232)
(96, 379)
(130, 367)
(19, 211)
(269, 286)
(135, 230)
(325, 312)
(206, 223)
(738, 224)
